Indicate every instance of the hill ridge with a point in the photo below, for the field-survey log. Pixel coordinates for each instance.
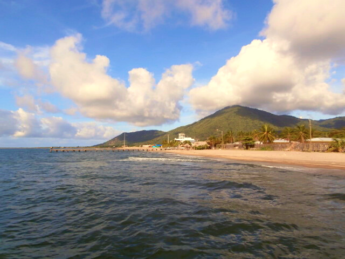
(236, 118)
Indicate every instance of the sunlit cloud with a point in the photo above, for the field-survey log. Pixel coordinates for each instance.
(288, 70)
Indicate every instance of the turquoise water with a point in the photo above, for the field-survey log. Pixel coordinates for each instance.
(158, 205)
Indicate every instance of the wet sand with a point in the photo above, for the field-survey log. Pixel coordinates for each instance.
(306, 159)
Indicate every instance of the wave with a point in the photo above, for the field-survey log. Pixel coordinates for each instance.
(161, 159)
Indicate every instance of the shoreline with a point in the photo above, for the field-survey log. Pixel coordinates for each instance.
(335, 161)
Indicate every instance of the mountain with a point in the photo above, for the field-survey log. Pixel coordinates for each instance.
(236, 118)
(335, 123)
(133, 138)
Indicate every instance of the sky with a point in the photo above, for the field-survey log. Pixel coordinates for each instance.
(75, 73)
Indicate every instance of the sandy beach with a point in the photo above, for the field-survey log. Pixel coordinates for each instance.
(306, 159)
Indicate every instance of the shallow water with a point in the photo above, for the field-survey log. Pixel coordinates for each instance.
(158, 205)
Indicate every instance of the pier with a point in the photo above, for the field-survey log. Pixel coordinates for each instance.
(90, 149)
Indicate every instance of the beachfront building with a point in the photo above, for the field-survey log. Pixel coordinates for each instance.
(182, 137)
(281, 141)
(320, 140)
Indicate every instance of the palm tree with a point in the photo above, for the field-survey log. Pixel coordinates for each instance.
(229, 137)
(240, 135)
(248, 142)
(266, 134)
(338, 145)
(213, 141)
(255, 135)
(287, 133)
(300, 133)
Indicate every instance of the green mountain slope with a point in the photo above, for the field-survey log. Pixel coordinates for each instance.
(335, 123)
(236, 118)
(133, 138)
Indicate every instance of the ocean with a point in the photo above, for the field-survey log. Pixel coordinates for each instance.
(160, 205)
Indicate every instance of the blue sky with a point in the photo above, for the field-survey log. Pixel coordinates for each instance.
(81, 72)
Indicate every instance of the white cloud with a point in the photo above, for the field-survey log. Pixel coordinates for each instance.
(56, 127)
(48, 107)
(37, 106)
(209, 13)
(28, 102)
(143, 15)
(7, 47)
(28, 124)
(29, 63)
(99, 96)
(132, 15)
(312, 28)
(71, 111)
(27, 68)
(279, 73)
(91, 130)
(8, 123)
(22, 124)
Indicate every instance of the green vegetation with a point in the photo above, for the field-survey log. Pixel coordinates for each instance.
(202, 147)
(337, 133)
(229, 137)
(213, 141)
(172, 143)
(267, 148)
(300, 133)
(287, 133)
(266, 134)
(338, 145)
(133, 138)
(248, 142)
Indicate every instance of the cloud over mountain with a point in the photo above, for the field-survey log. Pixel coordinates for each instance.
(289, 69)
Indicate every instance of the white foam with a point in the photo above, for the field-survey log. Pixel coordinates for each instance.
(162, 159)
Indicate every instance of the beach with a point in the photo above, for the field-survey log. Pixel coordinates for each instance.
(306, 159)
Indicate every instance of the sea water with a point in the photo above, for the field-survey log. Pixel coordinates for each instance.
(160, 205)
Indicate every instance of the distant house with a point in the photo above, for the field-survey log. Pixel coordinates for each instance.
(182, 137)
(199, 143)
(280, 141)
(320, 140)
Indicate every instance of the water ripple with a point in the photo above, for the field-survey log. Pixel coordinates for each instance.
(156, 205)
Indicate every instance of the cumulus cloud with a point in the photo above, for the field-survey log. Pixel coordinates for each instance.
(27, 63)
(37, 106)
(312, 28)
(48, 107)
(280, 73)
(99, 96)
(146, 14)
(8, 123)
(209, 13)
(28, 102)
(21, 123)
(56, 127)
(28, 124)
(91, 130)
(27, 68)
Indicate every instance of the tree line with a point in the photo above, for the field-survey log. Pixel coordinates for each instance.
(267, 134)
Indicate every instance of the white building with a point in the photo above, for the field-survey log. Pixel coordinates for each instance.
(320, 140)
(280, 141)
(182, 137)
